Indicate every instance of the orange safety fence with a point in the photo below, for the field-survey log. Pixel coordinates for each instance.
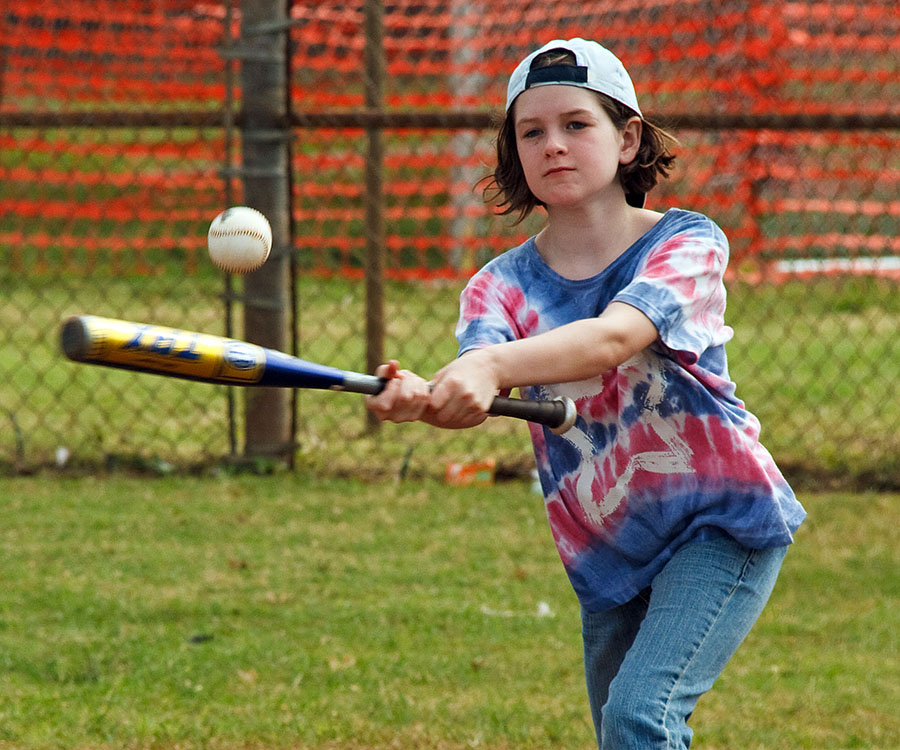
(756, 57)
(145, 189)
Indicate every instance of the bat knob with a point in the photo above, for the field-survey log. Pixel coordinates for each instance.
(570, 416)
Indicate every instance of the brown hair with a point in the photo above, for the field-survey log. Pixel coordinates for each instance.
(507, 187)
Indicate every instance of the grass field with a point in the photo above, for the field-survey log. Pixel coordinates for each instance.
(284, 612)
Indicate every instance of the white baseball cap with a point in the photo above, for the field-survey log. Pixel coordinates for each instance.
(596, 68)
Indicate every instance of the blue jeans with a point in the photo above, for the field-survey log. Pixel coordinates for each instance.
(648, 661)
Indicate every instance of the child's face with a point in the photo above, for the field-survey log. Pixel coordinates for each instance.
(569, 149)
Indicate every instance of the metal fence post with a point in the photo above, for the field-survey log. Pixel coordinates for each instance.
(374, 263)
(265, 144)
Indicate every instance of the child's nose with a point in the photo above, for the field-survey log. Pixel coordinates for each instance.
(555, 144)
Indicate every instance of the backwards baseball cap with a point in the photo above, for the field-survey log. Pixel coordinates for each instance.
(596, 68)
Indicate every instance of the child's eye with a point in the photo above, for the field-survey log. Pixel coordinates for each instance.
(577, 125)
(533, 133)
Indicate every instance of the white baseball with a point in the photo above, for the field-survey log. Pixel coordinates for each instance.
(239, 239)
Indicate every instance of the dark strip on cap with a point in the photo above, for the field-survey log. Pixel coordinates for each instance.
(557, 74)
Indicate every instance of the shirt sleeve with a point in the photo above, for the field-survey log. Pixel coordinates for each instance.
(492, 311)
(680, 288)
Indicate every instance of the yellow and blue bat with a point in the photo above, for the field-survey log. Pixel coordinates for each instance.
(158, 350)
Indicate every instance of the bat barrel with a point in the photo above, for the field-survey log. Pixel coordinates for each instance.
(162, 351)
(190, 355)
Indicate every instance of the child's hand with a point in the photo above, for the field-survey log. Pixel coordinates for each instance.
(462, 392)
(405, 397)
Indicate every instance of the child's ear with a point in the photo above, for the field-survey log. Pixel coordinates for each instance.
(631, 140)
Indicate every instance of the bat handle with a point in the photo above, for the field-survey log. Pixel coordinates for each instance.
(559, 414)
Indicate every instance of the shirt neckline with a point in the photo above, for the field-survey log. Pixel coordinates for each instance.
(543, 267)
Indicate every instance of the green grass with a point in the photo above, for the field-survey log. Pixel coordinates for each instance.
(283, 612)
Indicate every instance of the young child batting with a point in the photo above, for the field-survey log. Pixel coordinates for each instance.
(670, 517)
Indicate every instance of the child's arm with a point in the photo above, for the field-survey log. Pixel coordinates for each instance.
(460, 394)
(464, 389)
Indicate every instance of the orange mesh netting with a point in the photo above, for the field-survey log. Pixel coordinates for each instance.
(781, 194)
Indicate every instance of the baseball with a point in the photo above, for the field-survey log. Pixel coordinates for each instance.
(239, 239)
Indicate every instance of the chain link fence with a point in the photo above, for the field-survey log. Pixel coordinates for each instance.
(121, 127)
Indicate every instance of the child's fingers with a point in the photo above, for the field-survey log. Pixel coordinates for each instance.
(404, 398)
(408, 399)
(383, 401)
(456, 404)
(462, 383)
(388, 369)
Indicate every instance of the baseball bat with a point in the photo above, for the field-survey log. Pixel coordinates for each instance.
(206, 358)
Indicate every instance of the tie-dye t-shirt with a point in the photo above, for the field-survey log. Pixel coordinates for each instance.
(662, 452)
